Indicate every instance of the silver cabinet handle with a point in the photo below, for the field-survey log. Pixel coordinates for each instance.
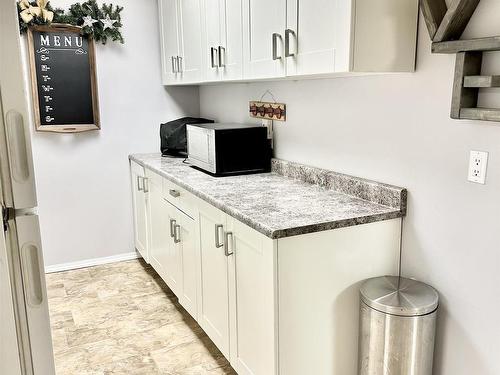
(288, 32)
(218, 227)
(213, 57)
(227, 243)
(174, 69)
(177, 233)
(222, 57)
(139, 183)
(180, 68)
(276, 36)
(174, 193)
(145, 184)
(172, 227)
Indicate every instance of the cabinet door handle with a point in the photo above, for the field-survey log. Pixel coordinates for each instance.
(174, 193)
(276, 36)
(139, 183)
(174, 70)
(218, 228)
(172, 229)
(213, 56)
(222, 57)
(145, 184)
(227, 243)
(180, 68)
(288, 32)
(177, 233)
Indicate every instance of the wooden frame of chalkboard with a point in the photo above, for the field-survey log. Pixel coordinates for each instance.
(63, 79)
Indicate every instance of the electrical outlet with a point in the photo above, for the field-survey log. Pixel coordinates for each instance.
(477, 166)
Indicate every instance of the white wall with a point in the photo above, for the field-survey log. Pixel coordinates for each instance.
(82, 179)
(396, 129)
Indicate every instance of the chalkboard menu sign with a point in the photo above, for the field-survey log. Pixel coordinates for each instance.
(63, 79)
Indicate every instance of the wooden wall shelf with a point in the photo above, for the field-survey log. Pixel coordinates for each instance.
(479, 44)
(445, 26)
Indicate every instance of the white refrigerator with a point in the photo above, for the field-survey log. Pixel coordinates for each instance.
(25, 337)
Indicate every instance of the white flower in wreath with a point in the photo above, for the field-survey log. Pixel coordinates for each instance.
(89, 21)
(29, 12)
(107, 23)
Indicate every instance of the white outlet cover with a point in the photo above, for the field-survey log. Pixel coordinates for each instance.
(478, 163)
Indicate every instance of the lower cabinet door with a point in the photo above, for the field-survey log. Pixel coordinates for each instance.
(214, 306)
(253, 301)
(190, 265)
(173, 259)
(139, 202)
(160, 239)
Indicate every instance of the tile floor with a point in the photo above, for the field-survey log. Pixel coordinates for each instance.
(121, 318)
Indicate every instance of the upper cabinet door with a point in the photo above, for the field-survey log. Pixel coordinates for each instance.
(190, 31)
(263, 38)
(212, 38)
(169, 39)
(231, 49)
(310, 37)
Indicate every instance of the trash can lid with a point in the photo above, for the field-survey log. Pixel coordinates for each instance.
(399, 296)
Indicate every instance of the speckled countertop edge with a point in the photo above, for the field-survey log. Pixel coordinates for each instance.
(348, 185)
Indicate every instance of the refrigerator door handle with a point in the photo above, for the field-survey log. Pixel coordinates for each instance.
(18, 153)
(20, 160)
(32, 281)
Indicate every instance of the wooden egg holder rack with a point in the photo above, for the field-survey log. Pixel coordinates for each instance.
(445, 26)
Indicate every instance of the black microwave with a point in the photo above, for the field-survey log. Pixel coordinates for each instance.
(229, 149)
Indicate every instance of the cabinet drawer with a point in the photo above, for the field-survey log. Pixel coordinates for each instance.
(179, 197)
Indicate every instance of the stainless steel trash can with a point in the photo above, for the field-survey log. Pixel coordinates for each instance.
(397, 327)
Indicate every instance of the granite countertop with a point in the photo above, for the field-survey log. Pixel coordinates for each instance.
(293, 199)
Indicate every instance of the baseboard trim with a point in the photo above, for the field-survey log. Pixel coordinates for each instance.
(92, 262)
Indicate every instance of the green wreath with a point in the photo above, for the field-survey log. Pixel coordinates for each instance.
(100, 23)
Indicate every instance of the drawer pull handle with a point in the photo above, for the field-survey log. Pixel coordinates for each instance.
(218, 228)
(172, 229)
(177, 233)
(228, 242)
(174, 193)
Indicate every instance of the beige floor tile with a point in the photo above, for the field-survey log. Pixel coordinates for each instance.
(121, 318)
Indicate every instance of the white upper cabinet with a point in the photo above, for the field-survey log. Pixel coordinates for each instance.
(231, 55)
(169, 39)
(180, 36)
(310, 36)
(223, 40)
(260, 39)
(264, 24)
(190, 59)
(212, 38)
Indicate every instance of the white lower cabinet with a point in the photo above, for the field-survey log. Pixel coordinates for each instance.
(253, 298)
(214, 304)
(140, 206)
(189, 248)
(273, 307)
(159, 235)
